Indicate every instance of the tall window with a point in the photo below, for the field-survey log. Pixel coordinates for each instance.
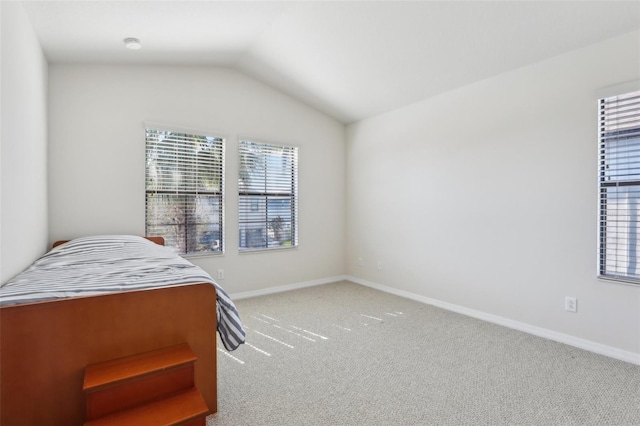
(619, 163)
(268, 196)
(184, 190)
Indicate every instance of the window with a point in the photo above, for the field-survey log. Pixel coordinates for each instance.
(184, 190)
(268, 196)
(619, 181)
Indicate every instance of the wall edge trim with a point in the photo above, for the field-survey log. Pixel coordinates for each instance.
(591, 346)
(287, 287)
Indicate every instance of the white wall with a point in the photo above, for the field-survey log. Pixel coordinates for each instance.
(485, 197)
(96, 170)
(24, 232)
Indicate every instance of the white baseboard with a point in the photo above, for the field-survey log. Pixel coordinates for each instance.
(280, 289)
(630, 357)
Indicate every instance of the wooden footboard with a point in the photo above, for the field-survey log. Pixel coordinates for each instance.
(45, 347)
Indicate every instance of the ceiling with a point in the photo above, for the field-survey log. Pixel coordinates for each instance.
(349, 59)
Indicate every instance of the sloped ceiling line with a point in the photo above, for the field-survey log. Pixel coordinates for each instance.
(349, 59)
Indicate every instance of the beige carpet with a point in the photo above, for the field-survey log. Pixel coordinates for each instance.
(344, 354)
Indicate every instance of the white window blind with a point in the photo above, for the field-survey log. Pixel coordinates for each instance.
(268, 196)
(619, 181)
(184, 190)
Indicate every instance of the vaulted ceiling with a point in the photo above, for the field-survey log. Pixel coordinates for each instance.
(349, 59)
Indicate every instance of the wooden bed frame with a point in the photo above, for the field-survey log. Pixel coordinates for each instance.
(45, 346)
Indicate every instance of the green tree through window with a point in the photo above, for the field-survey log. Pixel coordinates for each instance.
(184, 190)
(267, 196)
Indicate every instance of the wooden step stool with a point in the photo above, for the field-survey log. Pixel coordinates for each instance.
(153, 388)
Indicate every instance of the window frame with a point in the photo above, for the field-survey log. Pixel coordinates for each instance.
(619, 182)
(252, 201)
(217, 145)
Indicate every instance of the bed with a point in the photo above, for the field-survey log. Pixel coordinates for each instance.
(96, 299)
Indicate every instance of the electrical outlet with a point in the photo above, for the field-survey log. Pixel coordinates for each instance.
(221, 274)
(360, 261)
(379, 265)
(570, 304)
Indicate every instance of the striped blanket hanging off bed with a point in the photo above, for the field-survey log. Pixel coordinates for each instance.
(96, 265)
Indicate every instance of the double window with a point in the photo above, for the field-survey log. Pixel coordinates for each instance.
(619, 184)
(267, 196)
(184, 190)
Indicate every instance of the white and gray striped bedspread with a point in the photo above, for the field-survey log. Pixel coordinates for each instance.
(107, 264)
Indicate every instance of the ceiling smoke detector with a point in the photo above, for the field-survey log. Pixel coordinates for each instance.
(132, 43)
